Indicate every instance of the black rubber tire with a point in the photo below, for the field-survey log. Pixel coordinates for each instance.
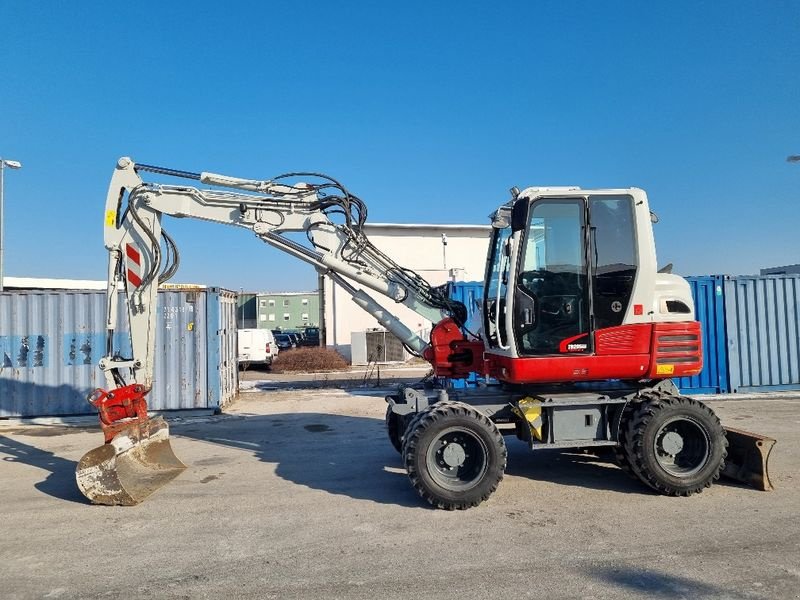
(483, 440)
(653, 415)
(620, 455)
(395, 427)
(413, 419)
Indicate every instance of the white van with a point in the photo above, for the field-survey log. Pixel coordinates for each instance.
(256, 347)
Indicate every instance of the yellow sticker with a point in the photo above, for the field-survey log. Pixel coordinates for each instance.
(665, 369)
(111, 218)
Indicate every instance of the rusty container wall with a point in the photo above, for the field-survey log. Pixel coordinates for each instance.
(222, 364)
(763, 329)
(51, 342)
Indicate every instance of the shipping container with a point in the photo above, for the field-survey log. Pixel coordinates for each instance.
(709, 301)
(469, 293)
(51, 342)
(763, 332)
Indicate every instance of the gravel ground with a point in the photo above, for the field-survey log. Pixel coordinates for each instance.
(298, 494)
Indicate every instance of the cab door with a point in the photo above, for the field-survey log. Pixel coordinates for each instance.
(551, 308)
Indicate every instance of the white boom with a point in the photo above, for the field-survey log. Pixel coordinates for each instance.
(270, 209)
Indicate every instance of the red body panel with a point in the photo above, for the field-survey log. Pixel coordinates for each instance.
(625, 339)
(638, 351)
(677, 350)
(572, 367)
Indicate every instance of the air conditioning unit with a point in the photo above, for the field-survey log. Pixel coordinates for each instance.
(376, 345)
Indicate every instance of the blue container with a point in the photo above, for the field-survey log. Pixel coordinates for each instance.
(709, 301)
(763, 332)
(470, 293)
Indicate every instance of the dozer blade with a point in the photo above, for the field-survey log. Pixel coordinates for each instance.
(135, 463)
(748, 458)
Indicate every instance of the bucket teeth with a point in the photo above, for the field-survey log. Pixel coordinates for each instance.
(135, 463)
(748, 458)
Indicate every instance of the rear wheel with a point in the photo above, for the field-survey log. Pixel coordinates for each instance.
(455, 456)
(676, 445)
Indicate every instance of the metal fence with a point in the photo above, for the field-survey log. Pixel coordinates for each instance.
(51, 342)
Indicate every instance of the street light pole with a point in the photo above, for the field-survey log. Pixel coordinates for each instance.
(11, 164)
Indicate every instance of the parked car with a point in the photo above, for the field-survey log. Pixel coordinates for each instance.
(295, 337)
(256, 347)
(311, 336)
(284, 341)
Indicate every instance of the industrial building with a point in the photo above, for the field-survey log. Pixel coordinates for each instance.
(288, 310)
(787, 270)
(278, 310)
(440, 253)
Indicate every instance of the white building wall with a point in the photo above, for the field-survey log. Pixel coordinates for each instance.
(416, 247)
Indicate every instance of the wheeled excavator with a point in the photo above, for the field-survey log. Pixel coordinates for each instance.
(580, 335)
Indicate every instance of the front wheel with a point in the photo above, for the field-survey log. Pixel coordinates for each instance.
(674, 444)
(455, 456)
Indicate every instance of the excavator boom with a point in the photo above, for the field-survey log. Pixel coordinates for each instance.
(137, 458)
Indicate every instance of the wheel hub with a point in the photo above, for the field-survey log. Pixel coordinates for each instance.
(682, 446)
(672, 443)
(454, 455)
(457, 458)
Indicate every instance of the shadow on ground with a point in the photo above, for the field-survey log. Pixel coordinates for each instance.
(570, 468)
(339, 454)
(352, 456)
(60, 480)
(652, 584)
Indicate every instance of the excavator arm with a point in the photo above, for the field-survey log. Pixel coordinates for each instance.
(136, 459)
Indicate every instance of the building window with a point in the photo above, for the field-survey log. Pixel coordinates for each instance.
(305, 300)
(272, 317)
(286, 316)
(271, 303)
(286, 302)
(264, 317)
(263, 303)
(304, 317)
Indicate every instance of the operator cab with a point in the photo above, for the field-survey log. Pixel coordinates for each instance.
(571, 278)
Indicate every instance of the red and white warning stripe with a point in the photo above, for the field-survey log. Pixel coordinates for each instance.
(134, 265)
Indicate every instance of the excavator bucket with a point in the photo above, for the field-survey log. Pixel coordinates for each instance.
(136, 462)
(748, 458)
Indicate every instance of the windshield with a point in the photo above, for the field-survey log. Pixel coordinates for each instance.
(282, 337)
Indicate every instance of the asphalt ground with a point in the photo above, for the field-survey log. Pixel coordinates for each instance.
(298, 494)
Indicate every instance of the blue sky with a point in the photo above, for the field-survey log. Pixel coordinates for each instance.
(428, 111)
